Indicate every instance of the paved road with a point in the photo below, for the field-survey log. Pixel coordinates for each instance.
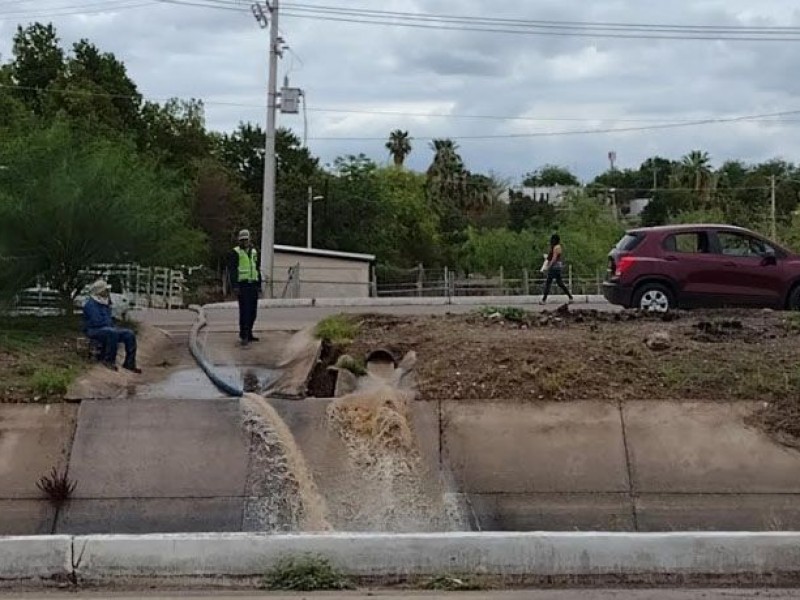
(297, 318)
(659, 594)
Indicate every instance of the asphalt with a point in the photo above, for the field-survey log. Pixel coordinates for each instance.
(297, 318)
(583, 594)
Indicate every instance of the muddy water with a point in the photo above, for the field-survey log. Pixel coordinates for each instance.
(392, 484)
(192, 382)
(282, 493)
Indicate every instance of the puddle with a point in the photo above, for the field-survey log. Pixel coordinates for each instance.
(193, 383)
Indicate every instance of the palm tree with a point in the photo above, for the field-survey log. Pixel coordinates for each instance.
(399, 146)
(446, 175)
(696, 172)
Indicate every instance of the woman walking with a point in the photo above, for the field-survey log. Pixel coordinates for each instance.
(555, 268)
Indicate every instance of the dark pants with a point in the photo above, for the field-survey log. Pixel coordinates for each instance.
(554, 274)
(111, 337)
(248, 306)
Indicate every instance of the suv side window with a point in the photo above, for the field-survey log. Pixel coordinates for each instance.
(688, 243)
(742, 246)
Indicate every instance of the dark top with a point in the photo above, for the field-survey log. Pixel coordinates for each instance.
(96, 316)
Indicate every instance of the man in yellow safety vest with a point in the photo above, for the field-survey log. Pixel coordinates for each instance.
(245, 277)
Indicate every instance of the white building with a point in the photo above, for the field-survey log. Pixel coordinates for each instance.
(554, 195)
(313, 273)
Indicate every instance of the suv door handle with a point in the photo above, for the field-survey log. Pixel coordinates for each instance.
(730, 264)
(671, 258)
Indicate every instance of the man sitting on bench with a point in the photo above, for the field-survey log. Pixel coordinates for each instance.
(98, 325)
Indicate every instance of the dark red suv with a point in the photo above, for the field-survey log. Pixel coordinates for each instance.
(659, 268)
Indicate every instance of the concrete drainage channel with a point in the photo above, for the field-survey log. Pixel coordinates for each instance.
(494, 558)
(240, 560)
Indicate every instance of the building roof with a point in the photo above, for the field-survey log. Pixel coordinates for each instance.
(325, 253)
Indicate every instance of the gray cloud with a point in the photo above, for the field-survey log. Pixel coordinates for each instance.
(221, 56)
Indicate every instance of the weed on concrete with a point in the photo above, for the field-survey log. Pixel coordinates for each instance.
(307, 573)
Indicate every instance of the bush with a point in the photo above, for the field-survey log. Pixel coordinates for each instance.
(509, 313)
(339, 330)
(306, 573)
(51, 381)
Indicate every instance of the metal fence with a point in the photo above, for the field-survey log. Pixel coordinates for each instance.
(141, 287)
(422, 282)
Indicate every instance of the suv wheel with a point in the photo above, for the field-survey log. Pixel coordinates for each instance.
(653, 297)
(794, 298)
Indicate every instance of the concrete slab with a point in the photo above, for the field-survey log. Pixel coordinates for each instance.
(223, 348)
(159, 449)
(553, 512)
(714, 512)
(32, 559)
(26, 517)
(705, 447)
(141, 516)
(34, 438)
(549, 447)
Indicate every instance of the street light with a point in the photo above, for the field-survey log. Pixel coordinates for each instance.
(311, 199)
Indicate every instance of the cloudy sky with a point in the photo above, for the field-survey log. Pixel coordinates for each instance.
(549, 83)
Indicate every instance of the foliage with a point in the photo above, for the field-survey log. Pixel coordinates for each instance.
(306, 573)
(339, 330)
(355, 365)
(587, 229)
(51, 381)
(447, 583)
(509, 313)
(91, 202)
(399, 146)
(549, 176)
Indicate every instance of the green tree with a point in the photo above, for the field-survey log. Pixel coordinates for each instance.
(38, 63)
(97, 93)
(549, 176)
(220, 208)
(175, 133)
(696, 172)
(399, 146)
(88, 203)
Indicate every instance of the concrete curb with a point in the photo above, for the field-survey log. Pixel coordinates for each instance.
(410, 301)
(119, 559)
(36, 559)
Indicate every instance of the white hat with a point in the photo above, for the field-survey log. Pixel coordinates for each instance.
(98, 287)
(244, 234)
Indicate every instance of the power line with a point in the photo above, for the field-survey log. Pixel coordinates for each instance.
(543, 22)
(764, 118)
(583, 131)
(381, 112)
(584, 34)
(80, 9)
(554, 28)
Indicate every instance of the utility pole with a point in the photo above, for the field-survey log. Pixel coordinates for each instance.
(774, 226)
(310, 217)
(268, 208)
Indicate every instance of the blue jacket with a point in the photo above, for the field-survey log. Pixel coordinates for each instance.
(96, 316)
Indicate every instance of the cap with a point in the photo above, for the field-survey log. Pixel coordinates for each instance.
(98, 287)
(244, 234)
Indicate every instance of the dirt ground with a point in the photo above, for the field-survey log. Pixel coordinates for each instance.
(565, 355)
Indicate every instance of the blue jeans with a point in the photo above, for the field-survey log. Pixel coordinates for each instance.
(110, 338)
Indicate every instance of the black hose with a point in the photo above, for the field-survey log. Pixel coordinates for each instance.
(207, 367)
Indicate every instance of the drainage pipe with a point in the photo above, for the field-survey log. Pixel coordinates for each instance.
(208, 369)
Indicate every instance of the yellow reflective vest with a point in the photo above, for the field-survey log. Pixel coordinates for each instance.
(248, 265)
